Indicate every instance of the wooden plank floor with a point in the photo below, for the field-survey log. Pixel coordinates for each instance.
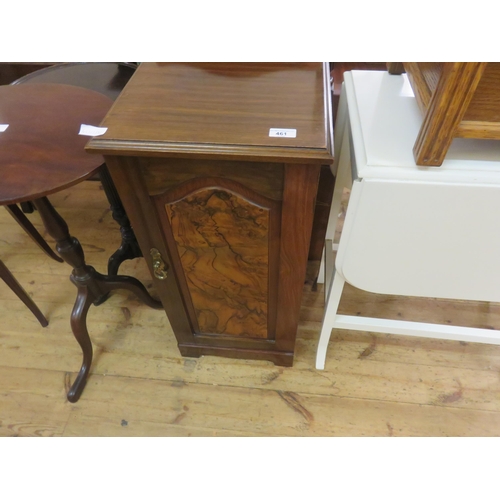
(373, 384)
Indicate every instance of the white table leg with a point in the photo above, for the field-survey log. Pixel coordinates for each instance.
(331, 307)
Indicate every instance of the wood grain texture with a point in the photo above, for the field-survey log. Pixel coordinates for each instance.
(296, 224)
(43, 136)
(162, 174)
(257, 238)
(431, 73)
(485, 105)
(419, 85)
(223, 243)
(221, 110)
(140, 385)
(478, 130)
(456, 100)
(446, 110)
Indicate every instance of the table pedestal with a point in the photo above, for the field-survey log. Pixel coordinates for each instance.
(92, 286)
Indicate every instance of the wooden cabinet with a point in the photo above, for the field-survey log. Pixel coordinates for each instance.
(222, 203)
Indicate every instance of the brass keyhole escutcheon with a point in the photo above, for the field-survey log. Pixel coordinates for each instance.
(159, 267)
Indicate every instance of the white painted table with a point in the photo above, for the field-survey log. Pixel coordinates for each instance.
(409, 230)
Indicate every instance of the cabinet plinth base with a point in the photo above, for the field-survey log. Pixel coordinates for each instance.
(276, 357)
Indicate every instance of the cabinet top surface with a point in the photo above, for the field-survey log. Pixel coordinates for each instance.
(223, 109)
(385, 120)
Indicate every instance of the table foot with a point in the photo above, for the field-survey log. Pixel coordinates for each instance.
(92, 286)
(79, 328)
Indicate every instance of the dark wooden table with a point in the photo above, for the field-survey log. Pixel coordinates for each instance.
(108, 78)
(41, 152)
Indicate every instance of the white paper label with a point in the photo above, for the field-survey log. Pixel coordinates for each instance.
(92, 131)
(3, 127)
(283, 132)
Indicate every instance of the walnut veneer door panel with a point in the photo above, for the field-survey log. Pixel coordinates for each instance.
(224, 245)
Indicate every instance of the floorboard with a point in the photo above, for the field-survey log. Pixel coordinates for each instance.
(373, 384)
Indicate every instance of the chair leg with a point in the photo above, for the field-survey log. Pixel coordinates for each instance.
(331, 307)
(14, 285)
(25, 223)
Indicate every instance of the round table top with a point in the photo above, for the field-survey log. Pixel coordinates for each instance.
(41, 151)
(108, 78)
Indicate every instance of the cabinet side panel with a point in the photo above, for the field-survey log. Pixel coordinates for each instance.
(301, 185)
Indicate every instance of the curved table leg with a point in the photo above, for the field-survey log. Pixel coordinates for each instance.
(92, 286)
(109, 283)
(79, 328)
(90, 290)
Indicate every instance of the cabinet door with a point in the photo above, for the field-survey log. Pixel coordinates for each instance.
(221, 225)
(223, 243)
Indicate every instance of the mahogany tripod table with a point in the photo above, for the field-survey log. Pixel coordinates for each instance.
(42, 152)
